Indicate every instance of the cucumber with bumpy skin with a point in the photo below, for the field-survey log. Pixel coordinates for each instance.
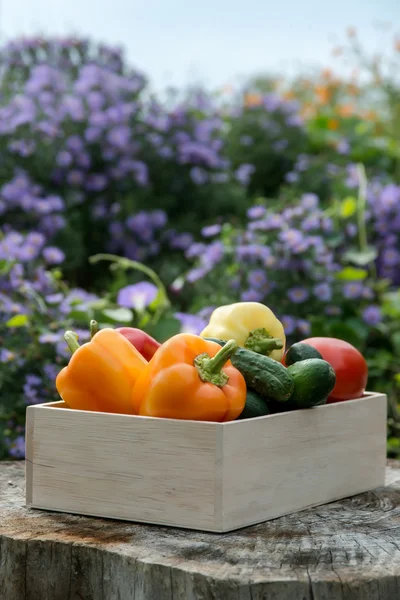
(266, 376)
(314, 379)
(255, 406)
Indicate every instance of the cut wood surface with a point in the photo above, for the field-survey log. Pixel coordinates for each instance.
(346, 550)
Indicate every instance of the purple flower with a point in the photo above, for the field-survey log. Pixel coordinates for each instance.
(352, 180)
(190, 323)
(390, 257)
(206, 312)
(294, 121)
(198, 175)
(353, 290)
(35, 238)
(51, 371)
(372, 315)
(54, 298)
(303, 326)
(75, 144)
(27, 253)
(257, 278)
(289, 324)
(158, 218)
(244, 172)
(251, 295)
(271, 102)
(195, 250)
(138, 295)
(390, 196)
(213, 254)
(291, 237)
(16, 447)
(64, 158)
(196, 274)
(252, 252)
(323, 292)
(343, 147)
(292, 177)
(6, 355)
(50, 338)
(256, 212)
(119, 136)
(75, 177)
(298, 295)
(33, 380)
(181, 241)
(53, 255)
(96, 182)
(309, 201)
(211, 230)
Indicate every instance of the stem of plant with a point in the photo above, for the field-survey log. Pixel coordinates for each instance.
(72, 341)
(94, 328)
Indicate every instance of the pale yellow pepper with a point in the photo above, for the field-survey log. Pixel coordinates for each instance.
(251, 324)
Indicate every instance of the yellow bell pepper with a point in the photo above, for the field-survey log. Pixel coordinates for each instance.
(251, 324)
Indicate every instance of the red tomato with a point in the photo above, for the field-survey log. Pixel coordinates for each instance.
(348, 363)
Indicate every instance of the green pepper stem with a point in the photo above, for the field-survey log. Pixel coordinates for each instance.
(264, 346)
(215, 364)
(260, 341)
(94, 327)
(72, 341)
(210, 369)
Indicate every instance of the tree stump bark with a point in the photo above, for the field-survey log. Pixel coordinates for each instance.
(346, 550)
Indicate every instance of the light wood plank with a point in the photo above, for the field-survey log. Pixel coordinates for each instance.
(278, 464)
(126, 467)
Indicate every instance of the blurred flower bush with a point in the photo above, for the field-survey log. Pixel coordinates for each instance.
(287, 193)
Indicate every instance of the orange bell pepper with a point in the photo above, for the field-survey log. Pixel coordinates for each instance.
(191, 378)
(101, 374)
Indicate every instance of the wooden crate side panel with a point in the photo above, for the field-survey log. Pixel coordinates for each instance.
(117, 466)
(29, 428)
(283, 463)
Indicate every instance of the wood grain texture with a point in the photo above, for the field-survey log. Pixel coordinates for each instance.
(273, 466)
(151, 470)
(207, 476)
(347, 550)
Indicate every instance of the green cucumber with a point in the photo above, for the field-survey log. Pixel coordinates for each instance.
(299, 352)
(265, 376)
(314, 379)
(255, 406)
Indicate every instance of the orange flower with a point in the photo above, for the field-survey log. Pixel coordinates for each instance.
(252, 100)
(323, 94)
(345, 110)
(333, 124)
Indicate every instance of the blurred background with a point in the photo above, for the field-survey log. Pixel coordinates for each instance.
(159, 159)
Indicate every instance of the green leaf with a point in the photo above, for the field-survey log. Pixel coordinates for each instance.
(17, 321)
(80, 316)
(348, 207)
(361, 257)
(5, 266)
(120, 315)
(352, 274)
(164, 329)
(346, 332)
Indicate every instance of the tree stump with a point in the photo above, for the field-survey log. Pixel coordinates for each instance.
(346, 550)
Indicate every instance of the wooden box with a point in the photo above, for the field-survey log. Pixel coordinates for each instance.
(207, 476)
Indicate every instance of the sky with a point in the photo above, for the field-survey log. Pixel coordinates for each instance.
(213, 42)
